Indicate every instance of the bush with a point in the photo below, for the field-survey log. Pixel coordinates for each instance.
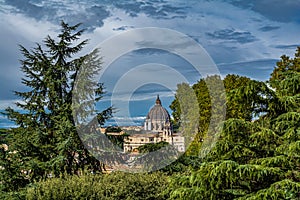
(117, 185)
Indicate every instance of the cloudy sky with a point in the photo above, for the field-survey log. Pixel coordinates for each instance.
(245, 37)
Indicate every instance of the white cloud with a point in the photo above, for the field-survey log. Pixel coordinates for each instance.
(27, 29)
(202, 17)
(9, 103)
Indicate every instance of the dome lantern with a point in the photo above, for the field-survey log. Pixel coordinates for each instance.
(158, 102)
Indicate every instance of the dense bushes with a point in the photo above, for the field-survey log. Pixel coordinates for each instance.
(117, 185)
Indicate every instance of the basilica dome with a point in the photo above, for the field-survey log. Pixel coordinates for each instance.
(158, 113)
(158, 118)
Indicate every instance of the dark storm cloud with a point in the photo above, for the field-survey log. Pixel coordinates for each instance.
(150, 51)
(292, 46)
(195, 37)
(276, 10)
(257, 69)
(31, 10)
(233, 36)
(153, 8)
(123, 28)
(91, 16)
(268, 28)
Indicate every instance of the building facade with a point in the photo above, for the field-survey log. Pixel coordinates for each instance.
(157, 128)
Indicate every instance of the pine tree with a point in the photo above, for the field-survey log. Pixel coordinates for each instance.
(46, 143)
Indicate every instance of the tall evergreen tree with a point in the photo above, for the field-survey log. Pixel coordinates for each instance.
(45, 142)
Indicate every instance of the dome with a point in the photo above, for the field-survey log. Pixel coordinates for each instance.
(158, 118)
(158, 113)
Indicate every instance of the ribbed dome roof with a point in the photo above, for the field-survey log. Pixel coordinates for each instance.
(158, 113)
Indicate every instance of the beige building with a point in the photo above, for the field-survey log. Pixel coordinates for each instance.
(157, 128)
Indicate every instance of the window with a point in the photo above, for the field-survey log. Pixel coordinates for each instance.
(142, 140)
(151, 139)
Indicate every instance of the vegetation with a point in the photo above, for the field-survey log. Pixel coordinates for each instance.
(255, 157)
(113, 129)
(234, 109)
(46, 143)
(146, 148)
(117, 185)
(3, 133)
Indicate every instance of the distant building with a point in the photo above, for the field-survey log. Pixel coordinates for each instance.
(157, 128)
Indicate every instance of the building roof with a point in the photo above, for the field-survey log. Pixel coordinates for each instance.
(144, 135)
(158, 112)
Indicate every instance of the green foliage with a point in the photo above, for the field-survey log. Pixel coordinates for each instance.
(117, 140)
(3, 136)
(182, 164)
(204, 90)
(15, 195)
(117, 185)
(285, 189)
(189, 112)
(258, 159)
(233, 109)
(45, 141)
(113, 129)
(252, 159)
(152, 147)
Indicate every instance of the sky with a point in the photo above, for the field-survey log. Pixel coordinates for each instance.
(245, 37)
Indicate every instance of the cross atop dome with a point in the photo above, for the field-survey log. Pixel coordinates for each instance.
(158, 102)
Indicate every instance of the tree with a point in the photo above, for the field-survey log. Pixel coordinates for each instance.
(204, 90)
(234, 109)
(258, 159)
(151, 147)
(46, 143)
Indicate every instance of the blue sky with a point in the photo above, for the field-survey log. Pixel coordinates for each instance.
(243, 37)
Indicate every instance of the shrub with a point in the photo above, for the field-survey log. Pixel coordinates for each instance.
(117, 185)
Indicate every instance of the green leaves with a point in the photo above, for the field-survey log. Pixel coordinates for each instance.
(285, 189)
(257, 159)
(45, 141)
(112, 186)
